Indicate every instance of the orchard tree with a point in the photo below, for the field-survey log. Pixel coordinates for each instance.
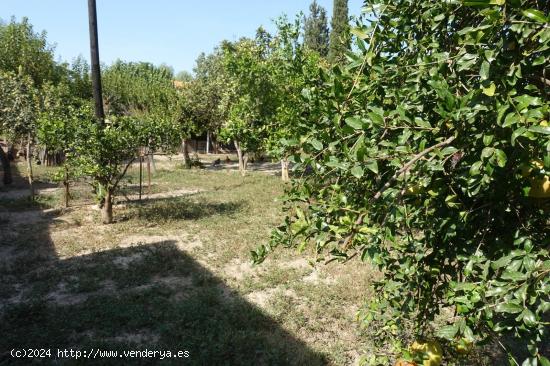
(429, 156)
(140, 100)
(316, 33)
(191, 114)
(18, 113)
(106, 152)
(24, 51)
(24, 55)
(212, 78)
(61, 115)
(293, 68)
(250, 96)
(202, 106)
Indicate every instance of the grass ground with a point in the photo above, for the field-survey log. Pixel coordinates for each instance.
(173, 273)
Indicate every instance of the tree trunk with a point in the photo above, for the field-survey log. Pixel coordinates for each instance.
(6, 167)
(107, 210)
(208, 142)
(29, 167)
(153, 166)
(243, 160)
(284, 170)
(185, 152)
(66, 186)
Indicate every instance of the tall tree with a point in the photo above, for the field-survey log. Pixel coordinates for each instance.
(316, 33)
(339, 35)
(18, 111)
(26, 52)
(26, 62)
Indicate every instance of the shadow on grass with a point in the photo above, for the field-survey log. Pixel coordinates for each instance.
(184, 208)
(145, 297)
(152, 297)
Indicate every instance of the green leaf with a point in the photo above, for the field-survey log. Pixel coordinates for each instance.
(529, 318)
(513, 275)
(540, 129)
(536, 15)
(421, 123)
(490, 90)
(487, 152)
(501, 158)
(360, 33)
(476, 2)
(376, 118)
(447, 332)
(318, 145)
(544, 361)
(474, 169)
(539, 61)
(373, 166)
(357, 171)
(484, 72)
(509, 307)
(355, 123)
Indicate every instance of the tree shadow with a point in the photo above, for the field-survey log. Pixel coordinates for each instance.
(20, 180)
(144, 297)
(184, 208)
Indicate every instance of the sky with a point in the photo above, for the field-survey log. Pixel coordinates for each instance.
(173, 32)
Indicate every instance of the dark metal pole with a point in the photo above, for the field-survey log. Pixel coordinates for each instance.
(94, 52)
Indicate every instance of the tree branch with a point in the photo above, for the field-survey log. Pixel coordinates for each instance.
(410, 164)
(388, 184)
(123, 173)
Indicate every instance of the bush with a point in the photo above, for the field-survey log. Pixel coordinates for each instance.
(427, 155)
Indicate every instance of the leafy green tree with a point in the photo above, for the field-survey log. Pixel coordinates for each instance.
(211, 75)
(429, 157)
(250, 94)
(24, 51)
(140, 100)
(293, 67)
(192, 114)
(79, 80)
(339, 34)
(61, 115)
(184, 76)
(18, 113)
(316, 33)
(106, 153)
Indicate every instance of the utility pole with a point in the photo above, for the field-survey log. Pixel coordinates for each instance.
(96, 72)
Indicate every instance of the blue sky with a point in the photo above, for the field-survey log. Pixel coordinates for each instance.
(174, 32)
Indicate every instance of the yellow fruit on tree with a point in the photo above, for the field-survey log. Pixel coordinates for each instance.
(404, 363)
(414, 190)
(431, 352)
(540, 185)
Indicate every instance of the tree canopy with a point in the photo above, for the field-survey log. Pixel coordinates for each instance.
(428, 156)
(316, 33)
(339, 34)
